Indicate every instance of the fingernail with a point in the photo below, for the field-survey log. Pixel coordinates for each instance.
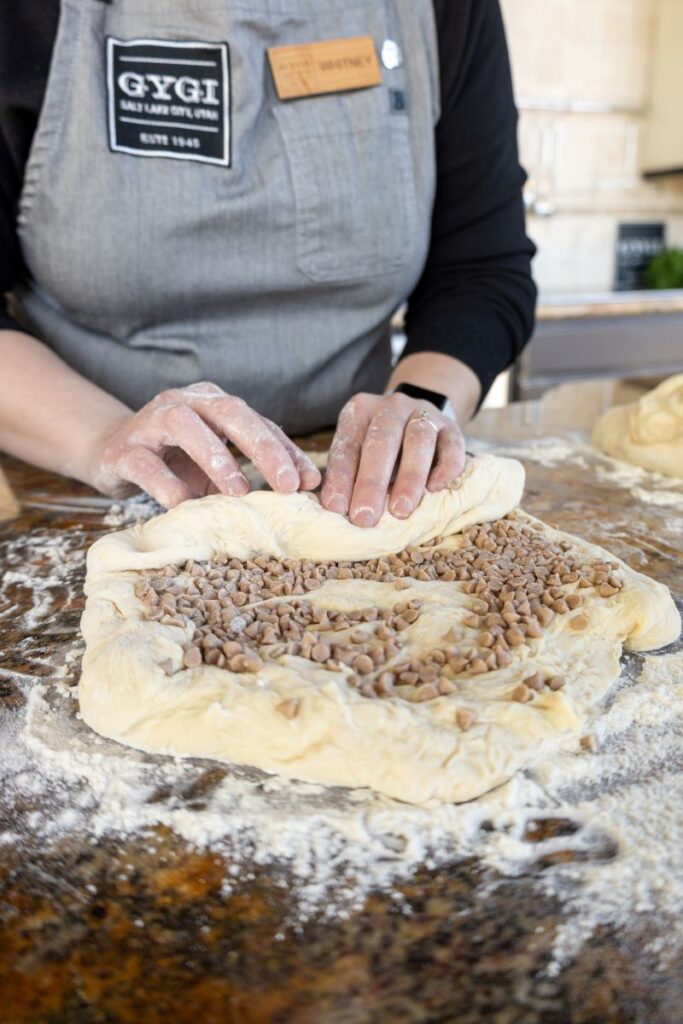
(238, 484)
(402, 508)
(335, 503)
(313, 478)
(363, 516)
(286, 479)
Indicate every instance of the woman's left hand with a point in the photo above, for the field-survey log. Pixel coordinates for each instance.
(373, 430)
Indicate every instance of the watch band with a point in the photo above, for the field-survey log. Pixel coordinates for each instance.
(423, 395)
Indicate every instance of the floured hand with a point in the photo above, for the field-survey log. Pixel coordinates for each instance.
(174, 448)
(372, 432)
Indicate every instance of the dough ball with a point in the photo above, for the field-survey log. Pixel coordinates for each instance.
(649, 432)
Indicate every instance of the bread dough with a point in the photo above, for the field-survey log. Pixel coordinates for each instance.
(411, 751)
(648, 432)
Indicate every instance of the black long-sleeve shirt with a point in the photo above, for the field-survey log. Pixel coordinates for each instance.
(476, 298)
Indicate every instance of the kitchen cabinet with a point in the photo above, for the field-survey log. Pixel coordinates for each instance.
(663, 152)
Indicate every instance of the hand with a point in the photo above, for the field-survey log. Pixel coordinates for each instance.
(175, 448)
(371, 432)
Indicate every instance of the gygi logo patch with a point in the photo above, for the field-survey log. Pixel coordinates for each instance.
(169, 99)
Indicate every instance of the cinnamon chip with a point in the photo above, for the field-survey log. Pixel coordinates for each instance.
(363, 664)
(192, 657)
(521, 693)
(516, 579)
(464, 719)
(289, 708)
(320, 652)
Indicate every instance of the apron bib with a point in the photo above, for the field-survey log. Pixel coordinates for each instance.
(181, 223)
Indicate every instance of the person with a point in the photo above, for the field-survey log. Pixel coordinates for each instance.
(201, 243)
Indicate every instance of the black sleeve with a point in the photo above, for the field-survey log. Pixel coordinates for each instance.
(9, 250)
(27, 35)
(476, 298)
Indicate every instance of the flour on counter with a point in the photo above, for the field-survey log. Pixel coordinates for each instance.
(134, 510)
(646, 486)
(340, 845)
(666, 498)
(631, 795)
(47, 574)
(548, 451)
(651, 488)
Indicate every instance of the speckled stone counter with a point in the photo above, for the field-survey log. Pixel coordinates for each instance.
(113, 929)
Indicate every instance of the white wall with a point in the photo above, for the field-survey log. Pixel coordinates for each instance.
(581, 70)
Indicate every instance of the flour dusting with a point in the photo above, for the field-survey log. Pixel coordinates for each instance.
(547, 451)
(43, 567)
(646, 486)
(340, 845)
(574, 448)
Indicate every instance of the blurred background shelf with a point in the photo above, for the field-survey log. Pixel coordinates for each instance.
(609, 304)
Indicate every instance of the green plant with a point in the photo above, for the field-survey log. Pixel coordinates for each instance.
(665, 270)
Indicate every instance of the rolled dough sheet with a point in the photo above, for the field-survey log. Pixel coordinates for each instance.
(414, 752)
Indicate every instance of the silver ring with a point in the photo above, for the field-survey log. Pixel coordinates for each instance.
(424, 418)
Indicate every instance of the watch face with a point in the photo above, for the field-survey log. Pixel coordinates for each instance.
(423, 395)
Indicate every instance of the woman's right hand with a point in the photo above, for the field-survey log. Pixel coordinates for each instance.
(175, 448)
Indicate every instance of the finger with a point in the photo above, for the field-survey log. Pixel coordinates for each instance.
(450, 458)
(344, 457)
(309, 474)
(189, 432)
(380, 450)
(419, 446)
(190, 473)
(250, 433)
(151, 474)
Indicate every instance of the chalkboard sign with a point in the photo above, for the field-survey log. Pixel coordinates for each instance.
(636, 245)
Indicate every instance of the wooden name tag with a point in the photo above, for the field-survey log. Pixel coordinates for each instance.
(335, 65)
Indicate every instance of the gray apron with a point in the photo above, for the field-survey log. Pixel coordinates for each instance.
(180, 223)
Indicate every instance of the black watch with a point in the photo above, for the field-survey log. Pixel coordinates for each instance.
(423, 395)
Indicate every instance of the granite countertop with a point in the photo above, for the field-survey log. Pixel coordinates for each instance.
(609, 304)
(111, 928)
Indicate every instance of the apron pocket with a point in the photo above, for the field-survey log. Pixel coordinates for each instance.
(354, 188)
